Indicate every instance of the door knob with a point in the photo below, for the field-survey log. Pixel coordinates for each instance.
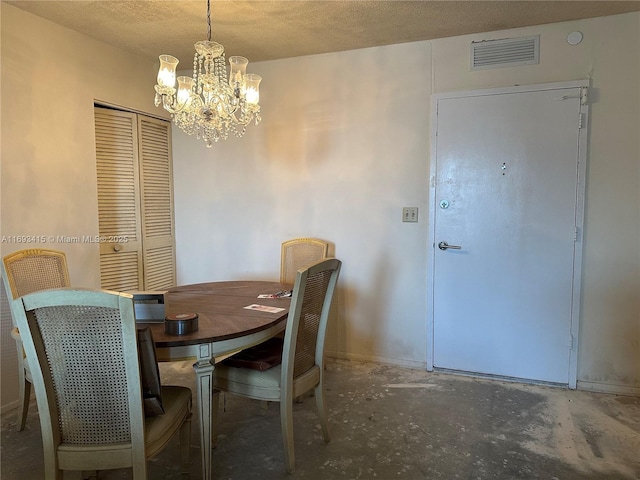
(445, 245)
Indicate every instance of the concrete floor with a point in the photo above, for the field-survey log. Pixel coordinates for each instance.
(388, 422)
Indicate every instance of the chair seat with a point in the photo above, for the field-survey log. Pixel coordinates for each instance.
(159, 429)
(261, 357)
(158, 432)
(261, 385)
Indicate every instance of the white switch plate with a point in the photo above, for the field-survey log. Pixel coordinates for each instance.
(410, 214)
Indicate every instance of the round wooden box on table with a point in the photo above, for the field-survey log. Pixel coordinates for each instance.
(181, 323)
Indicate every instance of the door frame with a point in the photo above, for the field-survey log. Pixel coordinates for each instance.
(581, 87)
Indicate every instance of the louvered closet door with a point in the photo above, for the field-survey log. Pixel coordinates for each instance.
(158, 246)
(135, 201)
(118, 200)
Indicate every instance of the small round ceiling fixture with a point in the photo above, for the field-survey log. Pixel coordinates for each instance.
(574, 38)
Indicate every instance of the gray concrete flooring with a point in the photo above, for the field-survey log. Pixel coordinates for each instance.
(389, 422)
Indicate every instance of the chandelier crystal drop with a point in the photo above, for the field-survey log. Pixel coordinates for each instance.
(211, 103)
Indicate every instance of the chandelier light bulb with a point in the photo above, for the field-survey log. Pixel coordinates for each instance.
(252, 88)
(167, 71)
(238, 70)
(185, 88)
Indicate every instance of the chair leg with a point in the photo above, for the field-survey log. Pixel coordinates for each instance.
(322, 411)
(185, 444)
(139, 470)
(286, 424)
(24, 397)
(215, 405)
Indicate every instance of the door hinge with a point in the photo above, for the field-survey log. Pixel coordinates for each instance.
(580, 120)
(584, 93)
(436, 127)
(575, 233)
(570, 341)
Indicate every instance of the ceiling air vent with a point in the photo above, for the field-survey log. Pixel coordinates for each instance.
(507, 52)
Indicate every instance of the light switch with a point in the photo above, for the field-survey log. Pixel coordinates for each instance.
(410, 214)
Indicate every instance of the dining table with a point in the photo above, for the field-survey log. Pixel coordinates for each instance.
(232, 316)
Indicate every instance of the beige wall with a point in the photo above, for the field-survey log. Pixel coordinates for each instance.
(51, 77)
(343, 146)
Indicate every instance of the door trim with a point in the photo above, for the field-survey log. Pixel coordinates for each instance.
(579, 220)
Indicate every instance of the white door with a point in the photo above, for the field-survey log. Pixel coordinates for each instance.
(507, 189)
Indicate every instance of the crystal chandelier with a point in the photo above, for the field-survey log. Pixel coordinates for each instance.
(209, 105)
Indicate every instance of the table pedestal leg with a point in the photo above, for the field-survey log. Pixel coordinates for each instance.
(204, 383)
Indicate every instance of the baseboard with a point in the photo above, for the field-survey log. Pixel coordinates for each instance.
(609, 388)
(376, 359)
(500, 378)
(9, 406)
(581, 385)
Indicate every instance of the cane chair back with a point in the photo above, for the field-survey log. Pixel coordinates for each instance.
(24, 272)
(302, 367)
(31, 270)
(82, 349)
(298, 253)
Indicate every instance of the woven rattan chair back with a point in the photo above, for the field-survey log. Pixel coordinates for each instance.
(298, 253)
(32, 270)
(82, 348)
(85, 349)
(309, 321)
(28, 271)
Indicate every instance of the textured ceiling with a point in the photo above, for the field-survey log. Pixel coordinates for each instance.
(267, 30)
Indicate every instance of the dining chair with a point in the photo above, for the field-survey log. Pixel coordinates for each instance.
(298, 253)
(302, 367)
(24, 272)
(82, 348)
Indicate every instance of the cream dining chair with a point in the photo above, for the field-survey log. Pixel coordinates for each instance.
(82, 348)
(302, 367)
(24, 272)
(298, 253)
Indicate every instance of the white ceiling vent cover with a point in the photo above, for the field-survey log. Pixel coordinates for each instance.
(507, 52)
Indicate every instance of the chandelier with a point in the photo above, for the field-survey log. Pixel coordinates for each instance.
(209, 104)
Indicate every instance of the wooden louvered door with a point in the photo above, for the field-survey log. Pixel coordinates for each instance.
(158, 244)
(118, 200)
(135, 201)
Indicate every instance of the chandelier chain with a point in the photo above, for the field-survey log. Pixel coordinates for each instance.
(208, 20)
